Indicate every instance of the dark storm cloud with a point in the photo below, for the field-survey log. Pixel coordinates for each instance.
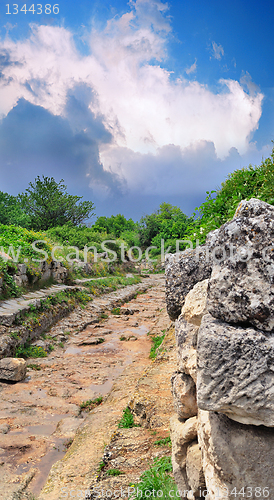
(35, 142)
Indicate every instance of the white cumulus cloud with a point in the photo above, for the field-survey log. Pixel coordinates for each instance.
(148, 113)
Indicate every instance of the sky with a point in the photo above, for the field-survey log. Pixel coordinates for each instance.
(135, 103)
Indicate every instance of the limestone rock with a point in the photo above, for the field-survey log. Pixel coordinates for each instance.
(235, 456)
(241, 286)
(13, 369)
(195, 303)
(235, 372)
(183, 271)
(194, 469)
(186, 339)
(184, 395)
(181, 435)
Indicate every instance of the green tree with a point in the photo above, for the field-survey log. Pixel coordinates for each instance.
(11, 211)
(48, 204)
(115, 225)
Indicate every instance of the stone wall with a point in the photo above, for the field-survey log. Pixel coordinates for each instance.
(223, 388)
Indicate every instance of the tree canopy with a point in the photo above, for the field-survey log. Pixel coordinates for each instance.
(47, 204)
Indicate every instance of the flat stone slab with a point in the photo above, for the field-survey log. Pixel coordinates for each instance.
(10, 309)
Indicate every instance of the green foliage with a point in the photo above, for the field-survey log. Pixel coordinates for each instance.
(114, 472)
(156, 342)
(114, 225)
(30, 351)
(11, 211)
(163, 442)
(116, 311)
(168, 223)
(220, 205)
(91, 403)
(48, 204)
(157, 478)
(35, 367)
(127, 420)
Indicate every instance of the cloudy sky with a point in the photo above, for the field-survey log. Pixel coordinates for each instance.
(135, 103)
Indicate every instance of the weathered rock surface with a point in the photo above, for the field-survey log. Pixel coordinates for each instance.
(184, 395)
(235, 372)
(195, 303)
(13, 369)
(183, 271)
(194, 469)
(186, 339)
(236, 456)
(241, 286)
(182, 434)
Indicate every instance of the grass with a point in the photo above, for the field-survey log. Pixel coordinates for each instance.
(127, 420)
(103, 316)
(91, 403)
(156, 342)
(30, 351)
(157, 479)
(163, 442)
(114, 472)
(14, 335)
(33, 366)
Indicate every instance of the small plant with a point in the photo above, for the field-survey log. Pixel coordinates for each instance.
(14, 335)
(61, 344)
(157, 478)
(33, 366)
(101, 465)
(30, 351)
(114, 472)
(116, 310)
(68, 443)
(91, 403)
(163, 442)
(103, 316)
(127, 420)
(122, 338)
(156, 342)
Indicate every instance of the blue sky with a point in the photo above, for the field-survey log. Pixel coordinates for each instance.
(135, 103)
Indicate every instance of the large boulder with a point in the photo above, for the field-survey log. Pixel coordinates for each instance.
(237, 459)
(184, 395)
(241, 285)
(186, 339)
(183, 270)
(235, 372)
(13, 369)
(194, 470)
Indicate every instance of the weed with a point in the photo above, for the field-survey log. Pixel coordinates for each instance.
(91, 403)
(127, 420)
(103, 316)
(61, 344)
(33, 366)
(157, 478)
(68, 443)
(163, 442)
(116, 310)
(156, 342)
(114, 472)
(101, 465)
(30, 351)
(122, 337)
(14, 335)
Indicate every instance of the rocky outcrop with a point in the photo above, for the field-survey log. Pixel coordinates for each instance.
(13, 369)
(236, 372)
(241, 288)
(183, 270)
(230, 356)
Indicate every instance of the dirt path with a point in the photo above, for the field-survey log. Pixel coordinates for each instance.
(40, 416)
